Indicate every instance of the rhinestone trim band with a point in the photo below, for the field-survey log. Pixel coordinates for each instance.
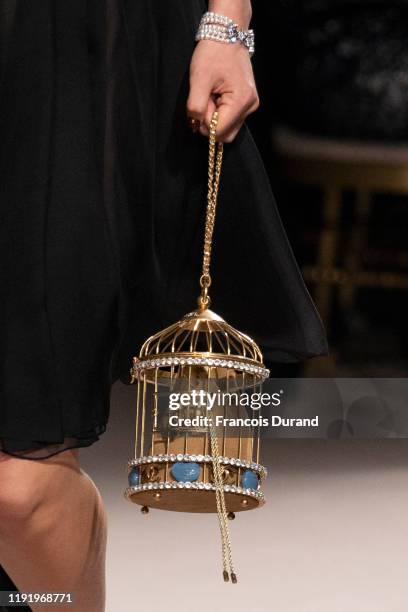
(256, 467)
(201, 486)
(144, 364)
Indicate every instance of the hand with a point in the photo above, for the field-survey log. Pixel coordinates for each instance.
(221, 78)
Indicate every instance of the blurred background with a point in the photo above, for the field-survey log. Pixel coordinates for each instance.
(333, 132)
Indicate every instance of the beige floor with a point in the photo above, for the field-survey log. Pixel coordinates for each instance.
(333, 536)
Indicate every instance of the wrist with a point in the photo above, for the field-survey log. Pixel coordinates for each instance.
(239, 11)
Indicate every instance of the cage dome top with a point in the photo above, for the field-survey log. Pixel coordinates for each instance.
(203, 339)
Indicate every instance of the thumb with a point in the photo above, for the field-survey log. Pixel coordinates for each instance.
(230, 117)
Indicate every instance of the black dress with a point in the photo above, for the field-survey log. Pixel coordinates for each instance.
(102, 209)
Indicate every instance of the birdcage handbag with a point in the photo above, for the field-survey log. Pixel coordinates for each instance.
(200, 466)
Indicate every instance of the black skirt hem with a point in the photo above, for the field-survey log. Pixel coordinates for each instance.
(44, 449)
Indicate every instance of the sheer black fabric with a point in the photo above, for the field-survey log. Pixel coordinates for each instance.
(102, 210)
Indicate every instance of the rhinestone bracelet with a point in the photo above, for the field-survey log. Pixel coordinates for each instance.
(220, 28)
(216, 18)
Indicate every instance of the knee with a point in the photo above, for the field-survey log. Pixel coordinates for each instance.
(21, 492)
(29, 488)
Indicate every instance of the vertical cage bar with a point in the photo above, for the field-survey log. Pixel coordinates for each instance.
(143, 415)
(252, 430)
(137, 413)
(224, 441)
(154, 411)
(167, 449)
(186, 411)
(207, 449)
(258, 445)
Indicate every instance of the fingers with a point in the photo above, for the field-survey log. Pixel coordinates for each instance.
(233, 111)
(199, 97)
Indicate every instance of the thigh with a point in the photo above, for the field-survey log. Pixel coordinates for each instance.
(37, 475)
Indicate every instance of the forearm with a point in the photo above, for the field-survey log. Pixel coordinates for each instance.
(238, 10)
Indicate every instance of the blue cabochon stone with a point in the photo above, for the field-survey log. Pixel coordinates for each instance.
(185, 472)
(134, 477)
(249, 480)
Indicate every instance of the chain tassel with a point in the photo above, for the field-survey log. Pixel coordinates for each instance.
(228, 566)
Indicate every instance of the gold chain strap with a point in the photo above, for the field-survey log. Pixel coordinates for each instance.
(215, 152)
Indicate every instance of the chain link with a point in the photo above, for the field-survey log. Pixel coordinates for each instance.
(215, 154)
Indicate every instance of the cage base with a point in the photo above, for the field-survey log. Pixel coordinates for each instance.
(192, 500)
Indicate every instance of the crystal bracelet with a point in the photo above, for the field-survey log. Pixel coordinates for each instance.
(216, 18)
(220, 28)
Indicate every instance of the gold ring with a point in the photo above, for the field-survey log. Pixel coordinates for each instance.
(194, 124)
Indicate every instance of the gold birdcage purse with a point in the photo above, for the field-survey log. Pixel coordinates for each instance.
(188, 457)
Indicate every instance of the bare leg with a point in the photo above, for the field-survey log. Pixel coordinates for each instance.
(53, 530)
